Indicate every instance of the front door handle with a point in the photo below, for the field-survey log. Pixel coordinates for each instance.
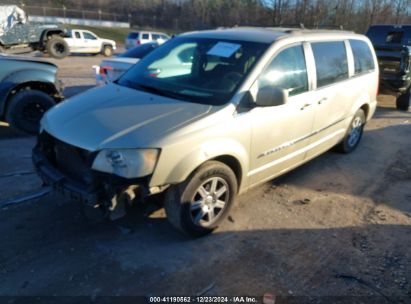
(306, 106)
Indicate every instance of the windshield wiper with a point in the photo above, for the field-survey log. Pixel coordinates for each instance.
(146, 88)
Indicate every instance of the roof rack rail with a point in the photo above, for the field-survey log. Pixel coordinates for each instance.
(291, 25)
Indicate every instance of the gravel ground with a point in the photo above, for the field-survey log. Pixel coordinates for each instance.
(338, 226)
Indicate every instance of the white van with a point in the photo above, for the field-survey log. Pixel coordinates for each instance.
(207, 116)
(137, 38)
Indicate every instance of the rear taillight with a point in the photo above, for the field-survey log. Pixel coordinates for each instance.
(138, 42)
(154, 73)
(105, 69)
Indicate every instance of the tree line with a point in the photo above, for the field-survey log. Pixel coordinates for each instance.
(183, 15)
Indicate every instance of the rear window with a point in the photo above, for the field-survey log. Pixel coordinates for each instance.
(140, 51)
(363, 59)
(384, 34)
(330, 62)
(132, 36)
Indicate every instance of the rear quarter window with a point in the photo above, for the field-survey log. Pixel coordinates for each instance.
(145, 36)
(363, 59)
(330, 62)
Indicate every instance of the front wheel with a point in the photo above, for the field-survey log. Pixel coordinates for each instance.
(354, 133)
(57, 47)
(403, 102)
(199, 205)
(107, 51)
(26, 108)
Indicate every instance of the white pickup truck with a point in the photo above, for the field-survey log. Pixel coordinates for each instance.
(86, 42)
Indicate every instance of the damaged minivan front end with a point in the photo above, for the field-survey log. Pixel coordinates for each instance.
(87, 153)
(89, 176)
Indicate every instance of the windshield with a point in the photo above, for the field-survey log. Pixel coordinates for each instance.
(140, 51)
(200, 70)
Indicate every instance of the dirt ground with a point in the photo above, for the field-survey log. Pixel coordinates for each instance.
(339, 226)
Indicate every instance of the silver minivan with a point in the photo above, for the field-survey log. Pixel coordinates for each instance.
(206, 117)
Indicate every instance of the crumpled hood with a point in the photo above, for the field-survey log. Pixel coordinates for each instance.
(118, 117)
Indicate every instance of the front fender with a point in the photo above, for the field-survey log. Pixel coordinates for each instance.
(20, 77)
(184, 163)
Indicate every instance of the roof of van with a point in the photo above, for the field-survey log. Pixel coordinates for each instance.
(261, 34)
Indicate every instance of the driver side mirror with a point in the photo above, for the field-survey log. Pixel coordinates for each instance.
(270, 96)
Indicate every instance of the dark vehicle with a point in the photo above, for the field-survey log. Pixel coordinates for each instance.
(392, 44)
(28, 89)
(111, 69)
(17, 32)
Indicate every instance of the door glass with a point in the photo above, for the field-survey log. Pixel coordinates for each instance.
(89, 36)
(287, 71)
(155, 36)
(330, 62)
(77, 34)
(145, 36)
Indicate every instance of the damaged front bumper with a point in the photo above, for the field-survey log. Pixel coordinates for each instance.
(62, 183)
(95, 189)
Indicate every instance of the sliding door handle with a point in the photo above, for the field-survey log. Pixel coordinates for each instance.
(322, 100)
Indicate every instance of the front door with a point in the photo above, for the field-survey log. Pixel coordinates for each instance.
(92, 43)
(281, 134)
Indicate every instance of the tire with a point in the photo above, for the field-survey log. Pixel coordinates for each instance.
(107, 51)
(26, 108)
(57, 47)
(403, 102)
(193, 218)
(354, 133)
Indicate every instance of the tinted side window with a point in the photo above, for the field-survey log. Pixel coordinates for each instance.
(155, 36)
(77, 34)
(330, 62)
(145, 36)
(132, 36)
(287, 71)
(363, 60)
(140, 51)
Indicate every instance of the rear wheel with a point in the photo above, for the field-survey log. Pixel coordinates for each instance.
(57, 47)
(26, 108)
(199, 205)
(354, 133)
(107, 51)
(403, 102)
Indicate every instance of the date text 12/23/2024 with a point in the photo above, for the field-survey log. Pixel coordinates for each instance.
(207, 299)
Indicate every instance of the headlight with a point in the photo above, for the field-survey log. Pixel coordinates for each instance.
(128, 163)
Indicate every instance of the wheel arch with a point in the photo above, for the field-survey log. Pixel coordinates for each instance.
(48, 33)
(46, 87)
(183, 166)
(233, 164)
(104, 44)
